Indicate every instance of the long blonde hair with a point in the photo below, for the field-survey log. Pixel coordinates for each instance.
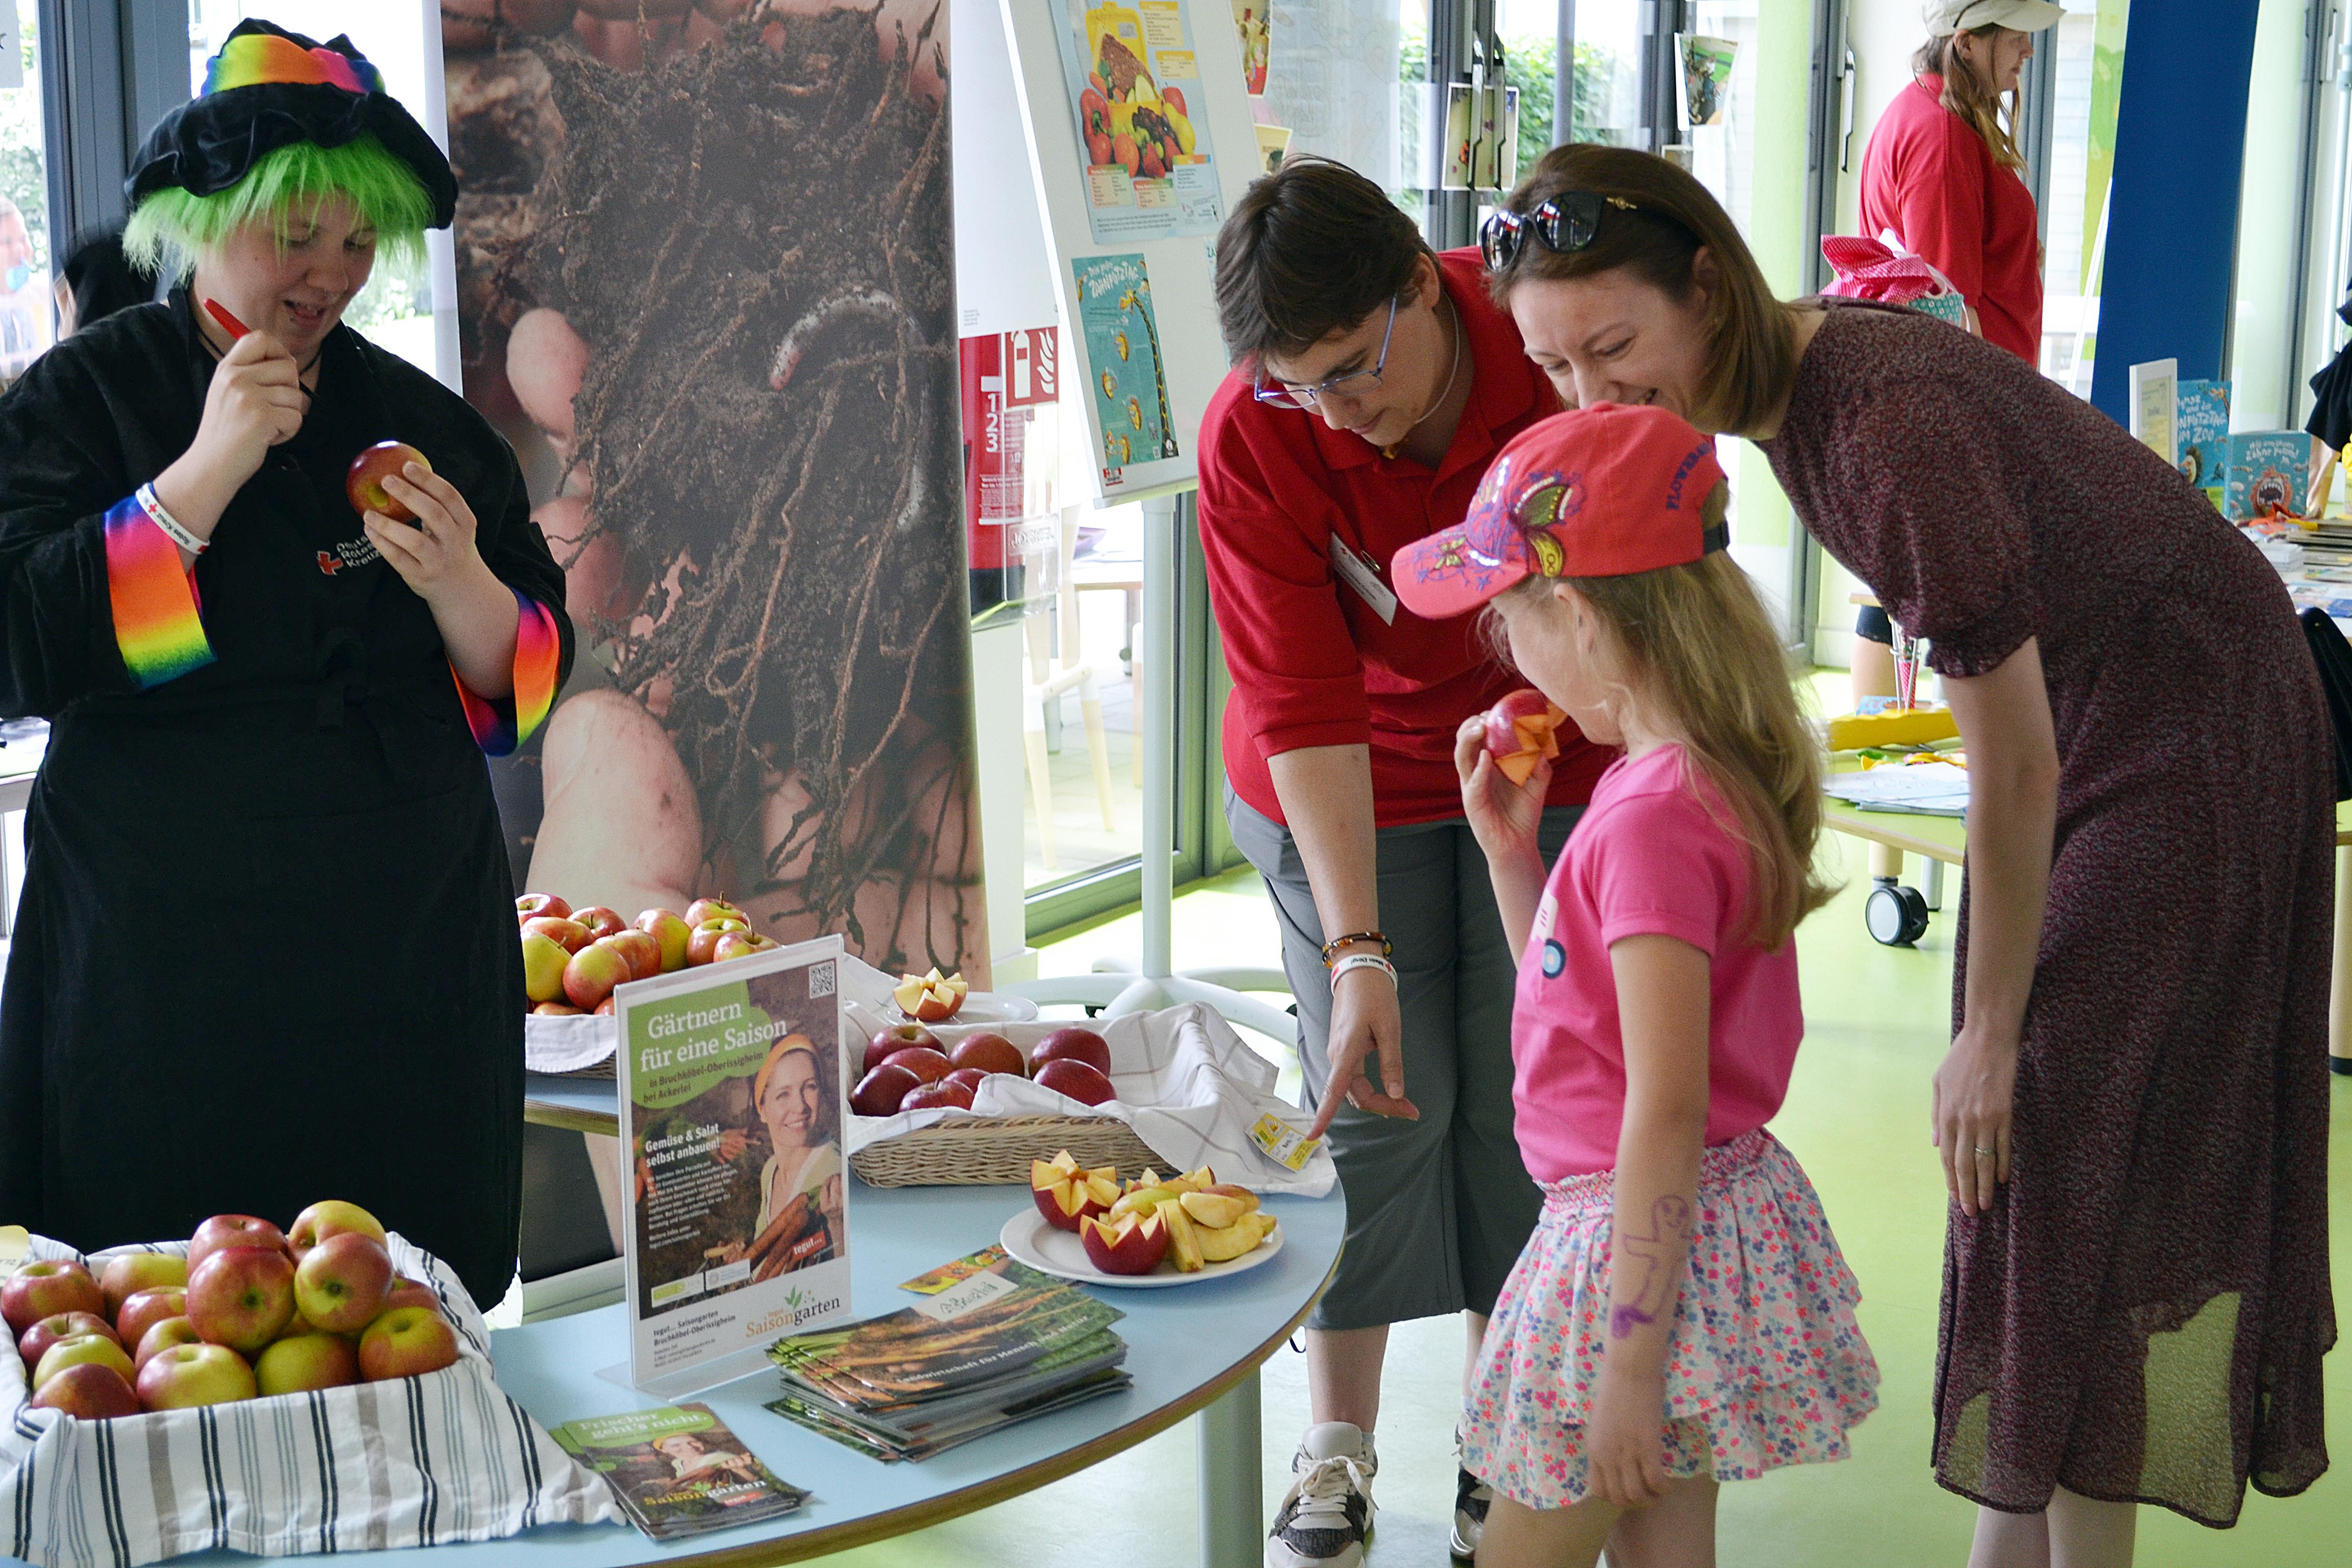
(1697, 644)
(1990, 113)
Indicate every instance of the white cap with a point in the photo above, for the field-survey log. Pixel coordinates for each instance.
(1946, 17)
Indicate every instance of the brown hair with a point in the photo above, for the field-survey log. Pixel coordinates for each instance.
(1752, 348)
(1967, 94)
(1312, 249)
(1698, 644)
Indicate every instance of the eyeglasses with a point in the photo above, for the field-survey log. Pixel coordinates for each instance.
(1355, 384)
(1566, 224)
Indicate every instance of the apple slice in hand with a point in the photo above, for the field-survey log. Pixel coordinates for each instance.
(1520, 733)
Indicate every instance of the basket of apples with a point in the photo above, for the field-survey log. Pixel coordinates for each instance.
(244, 1315)
(573, 959)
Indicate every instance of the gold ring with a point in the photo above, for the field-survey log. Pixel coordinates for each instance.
(1985, 1154)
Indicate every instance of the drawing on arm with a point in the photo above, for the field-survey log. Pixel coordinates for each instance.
(1669, 1221)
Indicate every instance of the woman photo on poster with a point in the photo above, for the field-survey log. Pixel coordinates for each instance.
(799, 1220)
(688, 1457)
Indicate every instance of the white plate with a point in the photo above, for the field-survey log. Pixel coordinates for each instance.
(1041, 1246)
(979, 1007)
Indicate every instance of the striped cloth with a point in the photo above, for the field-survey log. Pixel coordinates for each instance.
(415, 1461)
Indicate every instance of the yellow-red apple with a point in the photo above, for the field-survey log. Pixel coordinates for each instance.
(406, 1342)
(88, 1391)
(329, 1218)
(233, 1230)
(133, 1272)
(343, 1282)
(38, 1290)
(592, 974)
(568, 934)
(299, 1363)
(364, 482)
(145, 1309)
(600, 920)
(241, 1297)
(531, 904)
(641, 949)
(184, 1376)
(162, 1337)
(61, 1326)
(668, 929)
(103, 1348)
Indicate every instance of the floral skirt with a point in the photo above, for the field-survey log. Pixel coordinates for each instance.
(1765, 1367)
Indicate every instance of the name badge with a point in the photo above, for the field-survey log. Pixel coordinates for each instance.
(1362, 573)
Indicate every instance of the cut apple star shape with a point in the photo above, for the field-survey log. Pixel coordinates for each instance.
(1519, 733)
(931, 997)
(1067, 1194)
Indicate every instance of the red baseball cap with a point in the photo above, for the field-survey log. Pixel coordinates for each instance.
(1604, 492)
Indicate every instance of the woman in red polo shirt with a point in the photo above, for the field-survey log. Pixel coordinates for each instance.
(1374, 383)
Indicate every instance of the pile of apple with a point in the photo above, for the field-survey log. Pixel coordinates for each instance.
(1177, 1225)
(573, 960)
(1520, 733)
(907, 1068)
(931, 998)
(250, 1311)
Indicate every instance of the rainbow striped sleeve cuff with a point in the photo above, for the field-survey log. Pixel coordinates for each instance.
(156, 623)
(501, 726)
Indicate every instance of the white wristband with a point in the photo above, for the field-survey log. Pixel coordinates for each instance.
(1363, 960)
(172, 527)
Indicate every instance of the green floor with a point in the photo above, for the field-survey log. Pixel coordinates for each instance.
(1856, 1116)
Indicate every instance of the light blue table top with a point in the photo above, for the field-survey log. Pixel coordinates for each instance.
(1186, 1345)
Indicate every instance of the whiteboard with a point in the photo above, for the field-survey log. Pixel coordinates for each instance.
(1181, 297)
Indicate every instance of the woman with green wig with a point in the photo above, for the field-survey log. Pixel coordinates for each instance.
(265, 951)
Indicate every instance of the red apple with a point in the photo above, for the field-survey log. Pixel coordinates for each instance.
(742, 944)
(1130, 1244)
(547, 904)
(407, 1292)
(88, 1391)
(1071, 1044)
(896, 1038)
(560, 1009)
(1520, 733)
(133, 1272)
(184, 1376)
(989, 1053)
(73, 1349)
(600, 920)
(969, 1077)
(642, 949)
(703, 909)
(38, 1290)
(364, 483)
(299, 1363)
(1077, 1080)
(568, 934)
(923, 1062)
(162, 1337)
(592, 974)
(341, 1284)
(543, 959)
(879, 1091)
(1067, 1194)
(670, 932)
(935, 1096)
(604, 1009)
(329, 1218)
(702, 942)
(406, 1342)
(233, 1230)
(61, 1326)
(148, 1308)
(241, 1297)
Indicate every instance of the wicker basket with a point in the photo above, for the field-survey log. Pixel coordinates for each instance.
(998, 1150)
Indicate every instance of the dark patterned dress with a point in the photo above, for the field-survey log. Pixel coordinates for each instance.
(2141, 1315)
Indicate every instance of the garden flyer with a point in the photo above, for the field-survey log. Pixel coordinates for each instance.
(679, 1471)
(732, 1107)
(1150, 172)
(1122, 339)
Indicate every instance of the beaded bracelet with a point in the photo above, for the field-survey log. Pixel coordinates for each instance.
(1363, 960)
(1388, 948)
(172, 526)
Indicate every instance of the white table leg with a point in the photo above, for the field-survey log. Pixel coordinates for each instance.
(1233, 1519)
(1931, 882)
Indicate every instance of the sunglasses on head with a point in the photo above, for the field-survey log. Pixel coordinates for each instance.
(1565, 223)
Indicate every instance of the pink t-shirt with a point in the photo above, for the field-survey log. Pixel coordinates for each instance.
(1649, 857)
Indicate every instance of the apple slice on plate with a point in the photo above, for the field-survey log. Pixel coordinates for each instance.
(931, 997)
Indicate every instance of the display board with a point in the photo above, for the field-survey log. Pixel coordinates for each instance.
(1140, 143)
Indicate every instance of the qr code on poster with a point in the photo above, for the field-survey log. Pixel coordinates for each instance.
(821, 977)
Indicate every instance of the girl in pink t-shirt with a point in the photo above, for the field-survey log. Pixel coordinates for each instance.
(1682, 1315)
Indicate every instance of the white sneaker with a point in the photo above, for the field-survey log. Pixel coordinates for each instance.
(1328, 1512)
(1471, 1498)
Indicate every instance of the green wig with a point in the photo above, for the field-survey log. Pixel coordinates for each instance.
(172, 228)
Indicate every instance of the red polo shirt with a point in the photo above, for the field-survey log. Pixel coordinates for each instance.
(1929, 176)
(1313, 664)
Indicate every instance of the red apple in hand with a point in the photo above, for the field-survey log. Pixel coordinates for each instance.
(329, 1218)
(124, 1276)
(242, 1297)
(299, 1363)
(1072, 1044)
(670, 933)
(363, 484)
(87, 1391)
(642, 949)
(1520, 733)
(184, 1376)
(879, 1092)
(406, 1342)
(61, 1326)
(600, 920)
(341, 1284)
(547, 904)
(989, 1053)
(148, 1308)
(568, 934)
(38, 1290)
(898, 1038)
(233, 1230)
(592, 974)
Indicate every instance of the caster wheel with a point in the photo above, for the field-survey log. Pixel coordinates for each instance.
(1895, 916)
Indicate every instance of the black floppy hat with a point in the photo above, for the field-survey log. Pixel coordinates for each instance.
(269, 89)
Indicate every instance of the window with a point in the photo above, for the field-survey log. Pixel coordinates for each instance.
(2087, 60)
(27, 306)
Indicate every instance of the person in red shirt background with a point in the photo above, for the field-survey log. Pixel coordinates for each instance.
(1943, 173)
(1374, 381)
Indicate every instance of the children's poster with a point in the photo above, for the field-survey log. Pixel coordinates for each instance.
(1704, 66)
(2201, 429)
(1130, 384)
(1131, 74)
(732, 1109)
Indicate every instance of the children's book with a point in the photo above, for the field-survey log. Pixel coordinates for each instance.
(2202, 430)
(679, 1471)
(2269, 471)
